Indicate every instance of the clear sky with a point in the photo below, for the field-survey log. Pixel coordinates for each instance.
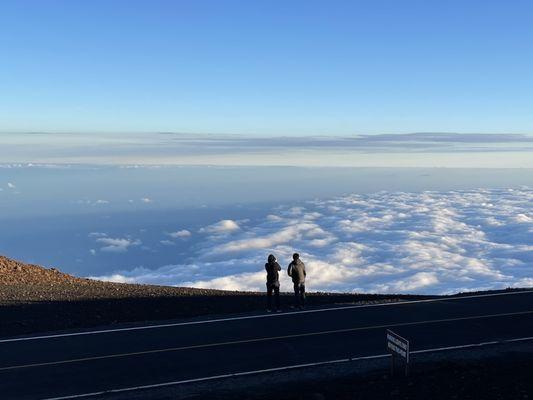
(266, 67)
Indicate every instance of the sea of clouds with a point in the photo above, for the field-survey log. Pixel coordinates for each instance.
(426, 242)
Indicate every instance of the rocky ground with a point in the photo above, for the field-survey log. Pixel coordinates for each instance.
(26, 283)
(37, 299)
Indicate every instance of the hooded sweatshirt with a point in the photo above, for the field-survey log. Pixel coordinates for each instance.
(296, 271)
(272, 268)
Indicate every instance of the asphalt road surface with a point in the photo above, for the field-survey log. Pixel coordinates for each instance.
(75, 364)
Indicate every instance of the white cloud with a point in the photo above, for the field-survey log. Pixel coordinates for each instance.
(97, 234)
(11, 185)
(181, 234)
(429, 242)
(524, 218)
(165, 274)
(412, 283)
(223, 226)
(101, 201)
(117, 245)
(284, 235)
(146, 200)
(247, 281)
(117, 278)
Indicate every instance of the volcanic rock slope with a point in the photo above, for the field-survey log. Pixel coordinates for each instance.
(21, 282)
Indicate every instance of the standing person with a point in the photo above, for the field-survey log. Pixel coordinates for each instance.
(272, 268)
(296, 271)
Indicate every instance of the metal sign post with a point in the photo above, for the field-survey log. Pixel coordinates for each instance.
(399, 348)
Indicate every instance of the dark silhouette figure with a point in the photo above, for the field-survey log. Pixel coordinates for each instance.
(272, 268)
(296, 271)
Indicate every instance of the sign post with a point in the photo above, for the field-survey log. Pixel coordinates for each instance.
(398, 347)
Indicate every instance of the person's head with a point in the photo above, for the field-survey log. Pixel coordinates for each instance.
(271, 258)
(295, 256)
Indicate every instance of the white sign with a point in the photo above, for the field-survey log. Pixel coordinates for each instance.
(398, 346)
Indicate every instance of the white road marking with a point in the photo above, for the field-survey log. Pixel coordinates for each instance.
(210, 321)
(263, 339)
(289, 367)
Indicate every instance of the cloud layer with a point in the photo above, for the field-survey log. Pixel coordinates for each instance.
(429, 242)
(384, 150)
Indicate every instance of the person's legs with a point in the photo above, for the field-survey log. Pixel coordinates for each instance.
(296, 295)
(302, 295)
(276, 295)
(269, 297)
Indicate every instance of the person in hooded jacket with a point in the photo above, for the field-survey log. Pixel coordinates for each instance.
(272, 268)
(296, 271)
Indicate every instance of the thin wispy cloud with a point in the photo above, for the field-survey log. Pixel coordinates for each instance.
(385, 150)
(221, 227)
(117, 245)
(97, 234)
(181, 234)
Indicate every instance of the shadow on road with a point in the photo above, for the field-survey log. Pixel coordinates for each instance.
(43, 316)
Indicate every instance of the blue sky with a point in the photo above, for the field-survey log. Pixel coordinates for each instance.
(266, 67)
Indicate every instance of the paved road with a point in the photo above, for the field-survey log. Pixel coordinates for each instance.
(86, 362)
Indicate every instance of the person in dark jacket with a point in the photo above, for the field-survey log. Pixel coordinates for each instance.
(296, 271)
(272, 268)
